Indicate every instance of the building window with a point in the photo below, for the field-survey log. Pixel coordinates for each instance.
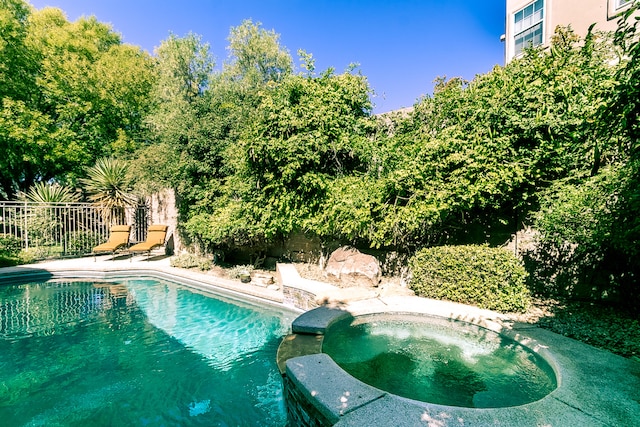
(527, 26)
(622, 3)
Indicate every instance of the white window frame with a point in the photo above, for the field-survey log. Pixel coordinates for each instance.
(616, 7)
(528, 26)
(622, 3)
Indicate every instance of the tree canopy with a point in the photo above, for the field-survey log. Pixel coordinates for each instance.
(257, 150)
(71, 93)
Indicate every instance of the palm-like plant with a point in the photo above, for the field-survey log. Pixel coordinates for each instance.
(41, 192)
(108, 187)
(44, 219)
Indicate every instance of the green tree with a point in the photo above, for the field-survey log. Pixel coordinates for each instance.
(474, 158)
(201, 129)
(183, 67)
(72, 92)
(623, 110)
(16, 60)
(303, 133)
(589, 226)
(16, 88)
(93, 88)
(256, 56)
(180, 121)
(24, 143)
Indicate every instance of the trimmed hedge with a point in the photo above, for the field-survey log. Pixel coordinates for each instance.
(490, 278)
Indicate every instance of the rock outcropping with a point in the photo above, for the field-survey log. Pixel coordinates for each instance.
(353, 268)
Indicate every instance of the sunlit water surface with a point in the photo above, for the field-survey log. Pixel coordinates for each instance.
(136, 352)
(439, 361)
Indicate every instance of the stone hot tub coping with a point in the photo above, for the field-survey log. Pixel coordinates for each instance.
(595, 387)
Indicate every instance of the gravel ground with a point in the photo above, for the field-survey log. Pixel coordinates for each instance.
(604, 326)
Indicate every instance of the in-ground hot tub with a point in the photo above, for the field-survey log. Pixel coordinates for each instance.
(594, 387)
(438, 360)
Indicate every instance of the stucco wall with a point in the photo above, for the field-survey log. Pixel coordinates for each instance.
(580, 14)
(163, 211)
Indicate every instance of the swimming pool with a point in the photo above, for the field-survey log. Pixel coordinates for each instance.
(137, 352)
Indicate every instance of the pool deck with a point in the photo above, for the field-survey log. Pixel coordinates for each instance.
(595, 387)
(107, 266)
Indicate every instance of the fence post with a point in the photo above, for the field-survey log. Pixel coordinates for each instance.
(26, 229)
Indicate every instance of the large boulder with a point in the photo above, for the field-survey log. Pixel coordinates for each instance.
(351, 267)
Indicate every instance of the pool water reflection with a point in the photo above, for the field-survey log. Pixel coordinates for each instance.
(137, 352)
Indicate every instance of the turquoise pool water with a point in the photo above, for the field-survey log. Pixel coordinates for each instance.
(439, 360)
(138, 352)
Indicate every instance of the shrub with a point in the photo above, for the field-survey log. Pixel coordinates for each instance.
(491, 278)
(187, 260)
(589, 235)
(7, 262)
(10, 246)
(236, 271)
(82, 242)
(29, 256)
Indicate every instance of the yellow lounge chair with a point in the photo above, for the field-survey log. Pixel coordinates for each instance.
(155, 237)
(118, 238)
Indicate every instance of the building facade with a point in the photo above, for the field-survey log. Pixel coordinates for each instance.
(533, 22)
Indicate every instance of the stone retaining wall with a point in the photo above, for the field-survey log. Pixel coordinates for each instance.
(301, 293)
(301, 412)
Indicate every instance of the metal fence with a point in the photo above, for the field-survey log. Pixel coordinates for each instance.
(51, 230)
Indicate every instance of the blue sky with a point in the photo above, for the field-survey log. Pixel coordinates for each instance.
(401, 45)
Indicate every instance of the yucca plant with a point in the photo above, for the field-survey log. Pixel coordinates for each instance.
(44, 220)
(42, 192)
(108, 188)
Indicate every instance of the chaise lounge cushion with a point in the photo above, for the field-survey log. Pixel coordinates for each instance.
(119, 237)
(155, 237)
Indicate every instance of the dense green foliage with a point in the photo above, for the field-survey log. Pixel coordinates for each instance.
(69, 94)
(83, 242)
(257, 151)
(10, 248)
(304, 133)
(477, 154)
(490, 278)
(589, 223)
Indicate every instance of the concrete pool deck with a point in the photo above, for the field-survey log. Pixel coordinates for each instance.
(595, 387)
(107, 266)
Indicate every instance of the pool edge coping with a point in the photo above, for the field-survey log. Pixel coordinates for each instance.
(106, 270)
